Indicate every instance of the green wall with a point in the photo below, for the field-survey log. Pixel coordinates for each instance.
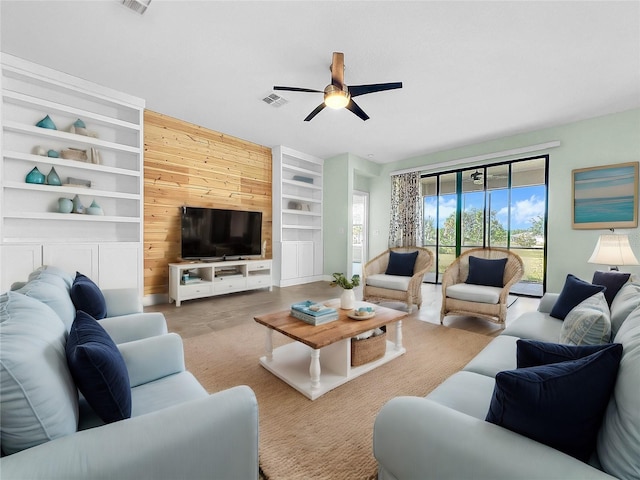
(598, 141)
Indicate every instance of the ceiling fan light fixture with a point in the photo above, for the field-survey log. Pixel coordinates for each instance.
(335, 97)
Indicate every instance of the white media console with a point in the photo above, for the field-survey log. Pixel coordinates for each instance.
(189, 280)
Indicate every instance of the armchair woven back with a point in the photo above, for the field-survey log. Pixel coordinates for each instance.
(458, 272)
(378, 266)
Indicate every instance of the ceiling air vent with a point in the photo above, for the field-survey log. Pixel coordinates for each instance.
(138, 6)
(274, 100)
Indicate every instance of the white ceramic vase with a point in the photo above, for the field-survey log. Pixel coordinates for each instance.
(347, 299)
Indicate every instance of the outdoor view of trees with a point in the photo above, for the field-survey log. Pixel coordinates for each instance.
(518, 213)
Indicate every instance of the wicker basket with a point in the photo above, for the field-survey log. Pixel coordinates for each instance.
(369, 349)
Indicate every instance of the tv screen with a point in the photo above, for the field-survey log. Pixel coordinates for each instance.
(210, 233)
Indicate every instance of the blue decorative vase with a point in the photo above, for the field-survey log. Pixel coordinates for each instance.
(79, 124)
(65, 205)
(53, 178)
(46, 122)
(77, 205)
(53, 154)
(94, 209)
(35, 176)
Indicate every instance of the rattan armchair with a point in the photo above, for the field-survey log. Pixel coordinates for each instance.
(457, 273)
(405, 291)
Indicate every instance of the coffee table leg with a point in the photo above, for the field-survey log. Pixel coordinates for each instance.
(268, 344)
(399, 335)
(314, 369)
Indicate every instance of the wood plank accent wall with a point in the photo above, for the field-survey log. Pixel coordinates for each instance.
(185, 164)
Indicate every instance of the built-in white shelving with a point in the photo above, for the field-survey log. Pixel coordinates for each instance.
(297, 217)
(32, 230)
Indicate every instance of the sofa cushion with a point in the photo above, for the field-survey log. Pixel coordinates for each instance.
(392, 282)
(474, 293)
(46, 289)
(38, 399)
(484, 271)
(499, 355)
(626, 301)
(612, 281)
(588, 323)
(401, 263)
(465, 392)
(573, 292)
(536, 326)
(98, 369)
(531, 353)
(86, 296)
(560, 404)
(619, 438)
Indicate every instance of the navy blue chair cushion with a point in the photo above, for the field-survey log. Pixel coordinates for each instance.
(484, 271)
(573, 292)
(559, 404)
(98, 369)
(88, 297)
(531, 353)
(401, 264)
(612, 280)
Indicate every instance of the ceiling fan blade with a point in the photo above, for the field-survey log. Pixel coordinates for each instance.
(337, 70)
(317, 110)
(356, 90)
(297, 89)
(353, 106)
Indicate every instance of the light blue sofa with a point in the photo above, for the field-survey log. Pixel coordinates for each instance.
(48, 430)
(445, 435)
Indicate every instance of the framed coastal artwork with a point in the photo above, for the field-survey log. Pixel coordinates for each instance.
(605, 197)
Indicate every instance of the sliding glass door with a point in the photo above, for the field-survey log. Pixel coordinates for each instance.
(501, 205)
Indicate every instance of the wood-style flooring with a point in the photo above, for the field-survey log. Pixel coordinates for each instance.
(198, 317)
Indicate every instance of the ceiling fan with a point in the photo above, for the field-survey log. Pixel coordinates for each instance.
(338, 95)
(477, 177)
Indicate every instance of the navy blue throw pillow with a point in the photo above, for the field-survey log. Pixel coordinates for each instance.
(401, 264)
(613, 281)
(531, 353)
(484, 271)
(88, 297)
(560, 404)
(98, 369)
(573, 292)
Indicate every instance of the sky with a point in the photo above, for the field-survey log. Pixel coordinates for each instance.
(527, 203)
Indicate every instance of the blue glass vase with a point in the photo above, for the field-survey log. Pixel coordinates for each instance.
(35, 176)
(53, 178)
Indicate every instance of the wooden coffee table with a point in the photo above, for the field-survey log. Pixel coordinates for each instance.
(320, 358)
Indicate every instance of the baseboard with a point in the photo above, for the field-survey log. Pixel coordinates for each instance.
(155, 299)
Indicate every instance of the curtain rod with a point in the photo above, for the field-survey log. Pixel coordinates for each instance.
(479, 158)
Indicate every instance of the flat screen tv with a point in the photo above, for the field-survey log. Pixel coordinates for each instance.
(211, 233)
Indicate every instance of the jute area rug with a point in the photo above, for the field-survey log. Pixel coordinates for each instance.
(331, 437)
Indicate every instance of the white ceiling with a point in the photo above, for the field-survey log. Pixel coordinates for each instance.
(472, 71)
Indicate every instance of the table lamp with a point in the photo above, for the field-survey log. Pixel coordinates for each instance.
(613, 250)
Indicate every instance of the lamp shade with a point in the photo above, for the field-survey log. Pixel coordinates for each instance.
(613, 250)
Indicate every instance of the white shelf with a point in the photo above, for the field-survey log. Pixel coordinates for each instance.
(310, 186)
(67, 137)
(305, 171)
(63, 162)
(302, 212)
(71, 190)
(27, 100)
(301, 198)
(71, 217)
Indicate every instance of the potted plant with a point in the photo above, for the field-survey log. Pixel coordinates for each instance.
(348, 298)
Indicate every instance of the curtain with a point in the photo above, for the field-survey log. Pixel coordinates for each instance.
(405, 228)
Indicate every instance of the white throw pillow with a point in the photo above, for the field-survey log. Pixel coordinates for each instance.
(38, 398)
(588, 323)
(625, 302)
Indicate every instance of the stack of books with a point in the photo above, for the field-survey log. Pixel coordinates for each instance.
(313, 313)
